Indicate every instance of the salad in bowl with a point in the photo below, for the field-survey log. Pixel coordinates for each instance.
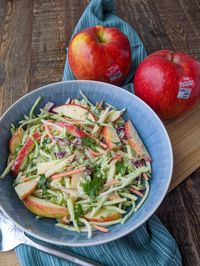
(80, 163)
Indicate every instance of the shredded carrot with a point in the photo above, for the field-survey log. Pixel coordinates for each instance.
(70, 167)
(117, 157)
(49, 133)
(72, 120)
(111, 182)
(52, 124)
(135, 146)
(68, 173)
(65, 220)
(95, 154)
(25, 179)
(145, 176)
(101, 228)
(136, 192)
(99, 105)
(103, 145)
(148, 159)
(100, 142)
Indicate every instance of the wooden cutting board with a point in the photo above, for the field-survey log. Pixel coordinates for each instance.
(184, 134)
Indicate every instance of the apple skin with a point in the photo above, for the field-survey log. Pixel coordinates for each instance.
(100, 53)
(104, 216)
(74, 130)
(74, 111)
(44, 208)
(16, 139)
(159, 77)
(23, 153)
(135, 141)
(25, 189)
(111, 137)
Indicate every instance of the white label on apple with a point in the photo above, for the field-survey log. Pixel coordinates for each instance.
(114, 72)
(185, 87)
(184, 93)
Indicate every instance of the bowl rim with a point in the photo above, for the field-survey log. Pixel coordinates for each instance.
(147, 216)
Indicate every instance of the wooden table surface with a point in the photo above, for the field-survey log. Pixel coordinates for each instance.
(33, 38)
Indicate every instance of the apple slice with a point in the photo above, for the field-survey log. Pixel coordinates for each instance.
(22, 155)
(74, 111)
(104, 216)
(36, 135)
(113, 116)
(135, 141)
(25, 189)
(111, 172)
(44, 208)
(114, 196)
(110, 135)
(24, 152)
(16, 140)
(74, 130)
(75, 179)
(44, 167)
(58, 167)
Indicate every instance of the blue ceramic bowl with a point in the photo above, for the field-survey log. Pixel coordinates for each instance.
(150, 129)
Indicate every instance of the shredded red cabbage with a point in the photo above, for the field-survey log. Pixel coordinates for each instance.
(60, 154)
(77, 141)
(137, 163)
(121, 132)
(62, 141)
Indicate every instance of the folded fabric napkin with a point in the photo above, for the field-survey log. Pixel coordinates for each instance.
(151, 244)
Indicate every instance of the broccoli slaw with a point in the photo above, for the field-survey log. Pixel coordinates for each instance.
(79, 163)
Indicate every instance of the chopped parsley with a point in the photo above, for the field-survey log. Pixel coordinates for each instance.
(44, 184)
(90, 143)
(47, 141)
(93, 186)
(78, 211)
(120, 167)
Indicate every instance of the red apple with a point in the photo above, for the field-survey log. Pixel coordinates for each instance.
(169, 82)
(100, 53)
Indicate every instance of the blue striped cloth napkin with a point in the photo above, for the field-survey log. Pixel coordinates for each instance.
(149, 245)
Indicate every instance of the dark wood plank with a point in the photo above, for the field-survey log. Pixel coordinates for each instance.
(15, 50)
(180, 212)
(164, 24)
(48, 42)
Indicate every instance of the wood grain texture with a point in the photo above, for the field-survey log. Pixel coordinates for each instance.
(48, 42)
(33, 37)
(184, 133)
(180, 212)
(15, 50)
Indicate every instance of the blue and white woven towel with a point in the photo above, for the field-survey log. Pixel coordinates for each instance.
(149, 245)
